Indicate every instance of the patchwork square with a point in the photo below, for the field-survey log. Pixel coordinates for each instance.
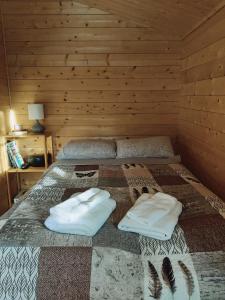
(70, 191)
(123, 203)
(24, 232)
(161, 170)
(194, 204)
(86, 167)
(32, 207)
(210, 269)
(169, 180)
(72, 271)
(110, 236)
(116, 275)
(111, 176)
(176, 245)
(18, 265)
(204, 233)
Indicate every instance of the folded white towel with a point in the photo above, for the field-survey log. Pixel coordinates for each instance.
(74, 200)
(85, 218)
(77, 205)
(88, 224)
(163, 223)
(150, 208)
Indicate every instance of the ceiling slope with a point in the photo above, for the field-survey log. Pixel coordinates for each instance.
(174, 18)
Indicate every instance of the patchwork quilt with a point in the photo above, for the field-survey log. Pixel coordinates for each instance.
(36, 263)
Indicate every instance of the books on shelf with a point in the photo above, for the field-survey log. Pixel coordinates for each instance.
(15, 157)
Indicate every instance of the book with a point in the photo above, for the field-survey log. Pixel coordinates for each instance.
(14, 156)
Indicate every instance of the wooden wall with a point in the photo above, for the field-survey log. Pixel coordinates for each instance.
(202, 109)
(97, 74)
(4, 111)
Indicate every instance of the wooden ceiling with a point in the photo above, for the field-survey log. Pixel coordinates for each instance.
(167, 17)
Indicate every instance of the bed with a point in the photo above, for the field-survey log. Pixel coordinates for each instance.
(40, 264)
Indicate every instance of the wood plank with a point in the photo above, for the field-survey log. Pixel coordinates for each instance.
(81, 34)
(155, 13)
(102, 108)
(94, 96)
(95, 84)
(210, 53)
(48, 7)
(106, 119)
(207, 34)
(206, 135)
(204, 164)
(93, 72)
(212, 69)
(106, 131)
(28, 180)
(94, 60)
(65, 21)
(211, 120)
(205, 103)
(74, 47)
(214, 86)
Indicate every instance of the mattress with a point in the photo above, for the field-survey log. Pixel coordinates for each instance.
(40, 264)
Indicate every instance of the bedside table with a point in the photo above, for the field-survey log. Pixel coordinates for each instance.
(29, 144)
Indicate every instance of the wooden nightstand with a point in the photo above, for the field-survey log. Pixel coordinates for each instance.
(29, 144)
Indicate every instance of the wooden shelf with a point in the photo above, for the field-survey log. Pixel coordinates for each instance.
(15, 176)
(26, 135)
(28, 170)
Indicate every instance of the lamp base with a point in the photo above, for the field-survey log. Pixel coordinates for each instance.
(37, 127)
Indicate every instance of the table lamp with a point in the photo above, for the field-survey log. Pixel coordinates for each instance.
(36, 112)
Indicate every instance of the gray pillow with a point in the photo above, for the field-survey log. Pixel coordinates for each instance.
(88, 149)
(156, 146)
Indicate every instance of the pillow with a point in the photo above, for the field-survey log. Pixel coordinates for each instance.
(156, 146)
(88, 149)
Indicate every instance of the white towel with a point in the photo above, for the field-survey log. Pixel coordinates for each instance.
(162, 225)
(85, 217)
(78, 205)
(150, 208)
(74, 200)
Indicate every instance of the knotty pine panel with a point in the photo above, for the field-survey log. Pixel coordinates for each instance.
(202, 105)
(90, 109)
(75, 47)
(96, 73)
(82, 60)
(4, 112)
(101, 96)
(95, 84)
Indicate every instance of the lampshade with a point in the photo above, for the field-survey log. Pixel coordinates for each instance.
(36, 111)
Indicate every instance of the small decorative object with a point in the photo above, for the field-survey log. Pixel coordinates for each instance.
(36, 112)
(168, 275)
(156, 285)
(36, 160)
(189, 278)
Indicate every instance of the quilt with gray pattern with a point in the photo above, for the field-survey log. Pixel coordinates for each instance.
(36, 263)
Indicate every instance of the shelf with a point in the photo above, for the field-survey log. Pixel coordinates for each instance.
(28, 170)
(24, 136)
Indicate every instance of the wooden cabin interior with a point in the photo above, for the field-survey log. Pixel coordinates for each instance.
(118, 69)
(122, 194)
